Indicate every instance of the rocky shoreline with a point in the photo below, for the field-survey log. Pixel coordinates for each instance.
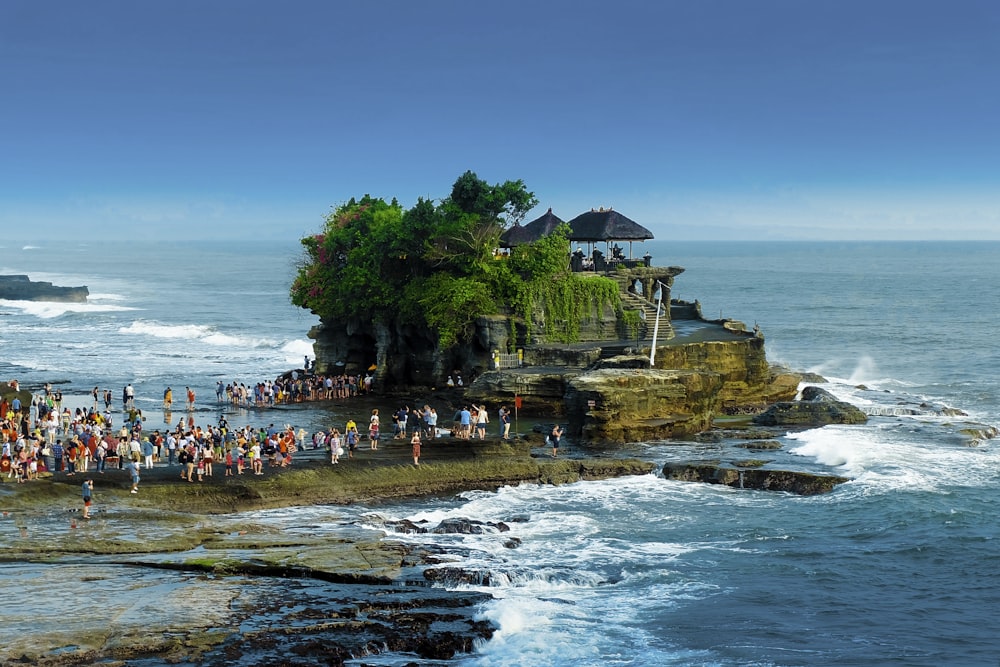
(293, 590)
(263, 593)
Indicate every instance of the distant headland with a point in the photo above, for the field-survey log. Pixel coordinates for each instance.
(22, 288)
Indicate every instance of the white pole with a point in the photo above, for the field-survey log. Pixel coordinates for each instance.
(656, 326)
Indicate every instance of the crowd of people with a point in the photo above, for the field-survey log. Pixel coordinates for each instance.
(293, 387)
(47, 437)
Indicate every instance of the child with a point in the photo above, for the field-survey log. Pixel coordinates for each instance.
(415, 441)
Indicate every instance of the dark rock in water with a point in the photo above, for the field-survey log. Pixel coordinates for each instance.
(512, 543)
(800, 483)
(405, 526)
(468, 527)
(22, 288)
(457, 575)
(760, 445)
(818, 407)
(459, 526)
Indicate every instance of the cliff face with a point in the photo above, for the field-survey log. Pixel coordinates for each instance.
(621, 399)
(404, 355)
(748, 382)
(602, 384)
(614, 405)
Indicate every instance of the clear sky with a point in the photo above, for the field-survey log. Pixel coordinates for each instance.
(700, 119)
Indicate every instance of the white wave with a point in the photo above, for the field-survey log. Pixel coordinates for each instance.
(295, 351)
(199, 332)
(47, 310)
(31, 247)
(106, 297)
(897, 456)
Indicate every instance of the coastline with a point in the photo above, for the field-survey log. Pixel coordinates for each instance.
(204, 546)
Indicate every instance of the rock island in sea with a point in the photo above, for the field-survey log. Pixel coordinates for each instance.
(560, 317)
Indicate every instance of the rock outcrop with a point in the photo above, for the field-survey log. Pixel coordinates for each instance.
(800, 483)
(621, 399)
(22, 288)
(615, 405)
(818, 407)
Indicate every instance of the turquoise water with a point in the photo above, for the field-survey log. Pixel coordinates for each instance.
(896, 567)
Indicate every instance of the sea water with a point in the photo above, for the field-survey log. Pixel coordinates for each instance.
(896, 567)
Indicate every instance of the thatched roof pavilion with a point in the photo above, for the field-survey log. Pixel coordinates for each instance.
(606, 225)
(534, 230)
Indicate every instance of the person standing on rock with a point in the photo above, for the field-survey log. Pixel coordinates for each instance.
(133, 469)
(88, 491)
(554, 438)
(504, 422)
(373, 429)
(415, 441)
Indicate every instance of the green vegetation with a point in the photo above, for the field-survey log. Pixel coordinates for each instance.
(437, 266)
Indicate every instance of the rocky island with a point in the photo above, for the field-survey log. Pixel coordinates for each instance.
(22, 288)
(462, 292)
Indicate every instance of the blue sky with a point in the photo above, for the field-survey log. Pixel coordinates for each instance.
(707, 119)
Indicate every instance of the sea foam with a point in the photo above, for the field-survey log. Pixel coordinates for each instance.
(51, 309)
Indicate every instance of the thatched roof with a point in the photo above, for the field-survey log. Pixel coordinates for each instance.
(534, 230)
(606, 225)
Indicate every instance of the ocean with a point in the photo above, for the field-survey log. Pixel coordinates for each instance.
(899, 566)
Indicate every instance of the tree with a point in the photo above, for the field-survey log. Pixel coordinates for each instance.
(433, 266)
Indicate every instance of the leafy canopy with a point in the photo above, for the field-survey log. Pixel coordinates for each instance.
(433, 265)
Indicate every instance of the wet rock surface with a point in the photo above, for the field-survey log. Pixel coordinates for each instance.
(751, 477)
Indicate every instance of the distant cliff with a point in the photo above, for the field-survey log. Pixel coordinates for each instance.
(22, 288)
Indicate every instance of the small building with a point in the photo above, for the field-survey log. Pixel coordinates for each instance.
(532, 231)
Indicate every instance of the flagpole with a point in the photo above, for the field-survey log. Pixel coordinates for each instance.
(656, 326)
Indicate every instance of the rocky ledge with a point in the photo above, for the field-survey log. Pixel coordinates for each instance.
(747, 477)
(180, 572)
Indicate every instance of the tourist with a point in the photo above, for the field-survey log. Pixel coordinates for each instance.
(171, 448)
(168, 398)
(401, 417)
(57, 456)
(146, 448)
(465, 423)
(184, 458)
(373, 430)
(336, 446)
(415, 441)
(432, 423)
(101, 455)
(256, 462)
(88, 490)
(207, 459)
(133, 469)
(554, 437)
(351, 436)
(482, 418)
(504, 422)
(190, 398)
(71, 455)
